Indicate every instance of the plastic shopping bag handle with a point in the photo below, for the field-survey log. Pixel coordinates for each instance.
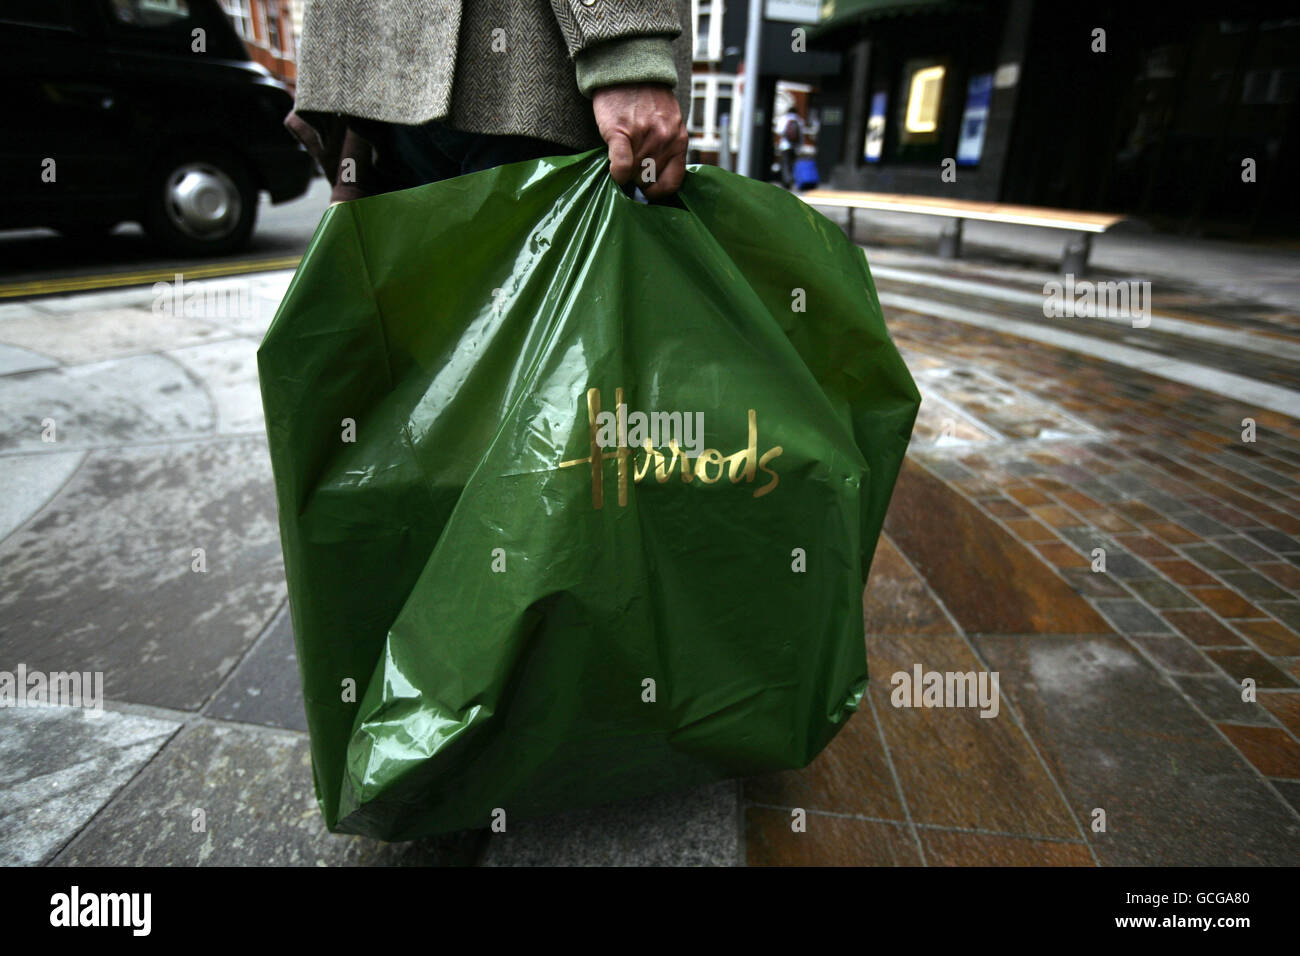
(632, 191)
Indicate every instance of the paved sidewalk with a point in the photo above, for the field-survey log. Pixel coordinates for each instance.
(1122, 689)
(1040, 441)
(201, 756)
(1259, 272)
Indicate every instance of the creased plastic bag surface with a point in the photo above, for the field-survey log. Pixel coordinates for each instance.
(503, 597)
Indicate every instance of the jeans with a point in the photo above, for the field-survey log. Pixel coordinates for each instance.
(409, 156)
(787, 168)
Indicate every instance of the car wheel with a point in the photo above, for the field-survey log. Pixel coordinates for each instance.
(200, 204)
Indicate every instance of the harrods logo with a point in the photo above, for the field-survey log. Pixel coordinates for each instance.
(709, 464)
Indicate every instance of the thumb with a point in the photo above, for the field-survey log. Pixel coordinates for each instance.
(621, 158)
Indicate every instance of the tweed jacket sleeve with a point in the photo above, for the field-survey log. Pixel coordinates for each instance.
(635, 46)
(585, 23)
(506, 67)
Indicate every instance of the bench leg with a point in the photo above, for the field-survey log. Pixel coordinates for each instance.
(950, 240)
(1077, 249)
(849, 229)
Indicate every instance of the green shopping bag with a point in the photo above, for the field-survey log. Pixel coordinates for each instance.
(577, 494)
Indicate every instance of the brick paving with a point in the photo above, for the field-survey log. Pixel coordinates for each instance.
(1122, 686)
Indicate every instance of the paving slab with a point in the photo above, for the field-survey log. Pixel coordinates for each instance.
(1173, 654)
(228, 370)
(940, 425)
(1203, 629)
(1005, 410)
(242, 305)
(29, 482)
(139, 297)
(1243, 664)
(9, 310)
(254, 789)
(1272, 638)
(1273, 751)
(14, 359)
(697, 827)
(1290, 790)
(851, 776)
(123, 401)
(771, 840)
(265, 688)
(83, 336)
(1285, 708)
(1131, 617)
(59, 766)
(103, 579)
(1120, 738)
(958, 848)
(988, 580)
(956, 768)
(896, 599)
(1219, 699)
(274, 283)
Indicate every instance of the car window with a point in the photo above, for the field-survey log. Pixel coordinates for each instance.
(150, 13)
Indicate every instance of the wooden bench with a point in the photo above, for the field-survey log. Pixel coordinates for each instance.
(1082, 225)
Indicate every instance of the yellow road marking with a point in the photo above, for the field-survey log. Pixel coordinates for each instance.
(117, 279)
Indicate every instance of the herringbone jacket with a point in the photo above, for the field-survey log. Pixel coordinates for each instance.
(525, 67)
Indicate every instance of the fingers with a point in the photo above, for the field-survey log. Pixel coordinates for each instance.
(668, 162)
(621, 158)
(642, 124)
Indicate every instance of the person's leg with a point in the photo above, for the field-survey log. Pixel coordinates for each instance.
(405, 156)
(787, 168)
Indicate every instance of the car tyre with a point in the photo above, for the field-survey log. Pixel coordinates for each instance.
(200, 203)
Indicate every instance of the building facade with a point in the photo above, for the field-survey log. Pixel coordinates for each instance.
(269, 30)
(1182, 115)
(790, 74)
(715, 88)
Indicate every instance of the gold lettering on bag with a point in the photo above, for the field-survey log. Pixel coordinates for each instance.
(709, 466)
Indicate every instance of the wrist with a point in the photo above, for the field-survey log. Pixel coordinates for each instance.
(624, 62)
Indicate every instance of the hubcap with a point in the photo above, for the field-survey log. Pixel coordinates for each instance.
(202, 201)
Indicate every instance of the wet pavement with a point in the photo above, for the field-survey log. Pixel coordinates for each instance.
(1121, 688)
(141, 542)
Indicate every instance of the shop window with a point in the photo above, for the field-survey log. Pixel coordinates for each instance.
(924, 94)
(874, 144)
(974, 120)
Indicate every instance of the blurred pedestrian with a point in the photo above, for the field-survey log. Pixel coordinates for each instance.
(398, 93)
(791, 139)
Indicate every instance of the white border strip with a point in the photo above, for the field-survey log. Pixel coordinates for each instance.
(1237, 387)
(1244, 339)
